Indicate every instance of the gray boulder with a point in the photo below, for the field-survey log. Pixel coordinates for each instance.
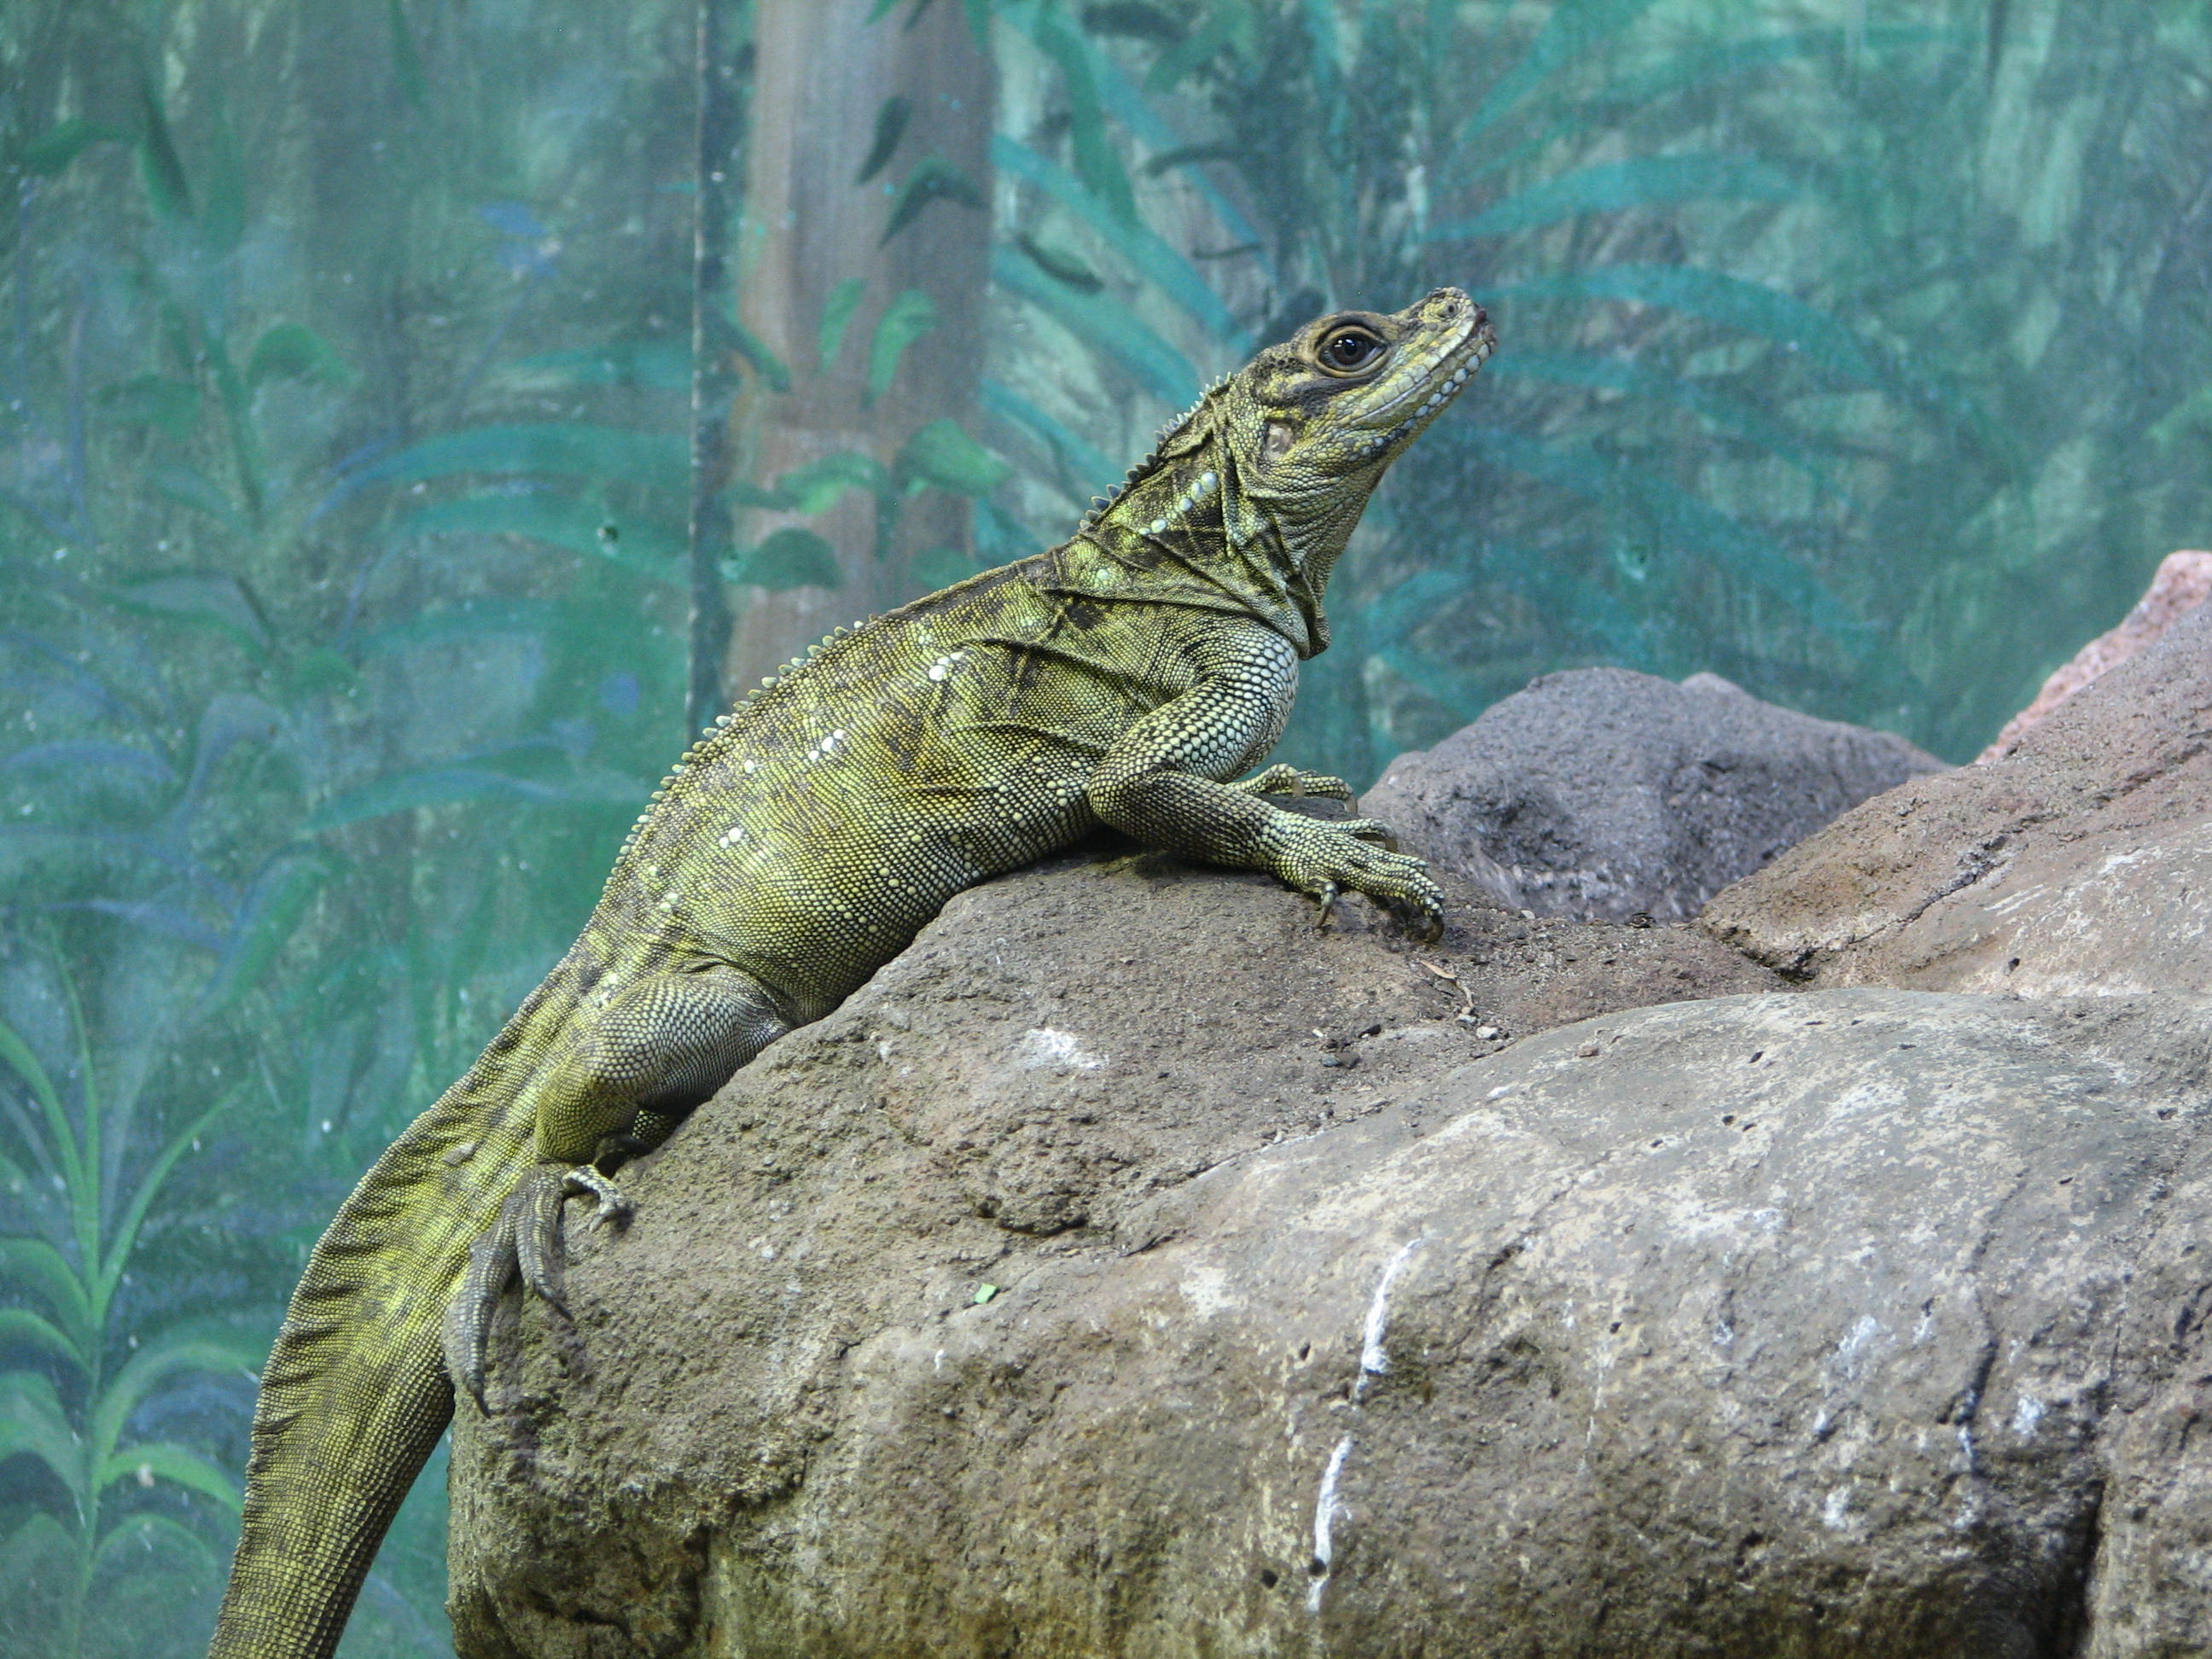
(1132, 1269)
(1055, 1052)
(2079, 863)
(1600, 794)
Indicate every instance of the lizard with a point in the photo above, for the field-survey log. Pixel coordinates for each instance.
(1122, 679)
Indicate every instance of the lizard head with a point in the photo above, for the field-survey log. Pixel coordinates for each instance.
(1340, 401)
(1258, 486)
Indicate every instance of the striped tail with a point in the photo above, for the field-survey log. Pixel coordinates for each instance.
(355, 1395)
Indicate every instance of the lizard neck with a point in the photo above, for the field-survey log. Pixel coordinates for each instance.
(1199, 530)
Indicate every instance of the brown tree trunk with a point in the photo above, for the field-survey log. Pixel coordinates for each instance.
(822, 75)
(721, 121)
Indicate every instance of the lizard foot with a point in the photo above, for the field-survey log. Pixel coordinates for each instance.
(524, 1241)
(1280, 780)
(1324, 859)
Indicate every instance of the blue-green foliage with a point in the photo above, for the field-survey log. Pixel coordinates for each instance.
(1856, 352)
(1779, 310)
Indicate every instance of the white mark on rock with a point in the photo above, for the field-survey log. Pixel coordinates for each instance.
(1043, 1046)
(1326, 1509)
(1836, 1512)
(2025, 1415)
(1206, 1290)
(1374, 1359)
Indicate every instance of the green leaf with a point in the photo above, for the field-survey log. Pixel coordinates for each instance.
(164, 172)
(1616, 186)
(143, 1526)
(933, 180)
(837, 316)
(189, 487)
(1151, 258)
(1090, 472)
(222, 224)
(275, 905)
(561, 521)
(173, 406)
(406, 61)
(1632, 379)
(126, 1236)
(150, 1461)
(1199, 47)
(751, 347)
(1823, 342)
(788, 558)
(942, 454)
(891, 117)
(438, 786)
(817, 486)
(195, 1347)
(474, 619)
(905, 320)
(578, 449)
(654, 365)
(295, 351)
(203, 598)
(935, 567)
(1574, 31)
(55, 149)
(1102, 322)
(34, 1423)
(21, 1325)
(35, 1267)
(1679, 521)
(1095, 158)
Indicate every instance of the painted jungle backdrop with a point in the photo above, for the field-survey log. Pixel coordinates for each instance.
(417, 415)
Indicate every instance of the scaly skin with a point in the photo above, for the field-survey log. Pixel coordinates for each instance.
(1120, 679)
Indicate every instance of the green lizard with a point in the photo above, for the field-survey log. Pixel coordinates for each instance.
(1120, 679)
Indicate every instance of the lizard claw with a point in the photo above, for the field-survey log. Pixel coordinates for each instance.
(1325, 906)
(524, 1241)
(613, 1209)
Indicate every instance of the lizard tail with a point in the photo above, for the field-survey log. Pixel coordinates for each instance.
(355, 1394)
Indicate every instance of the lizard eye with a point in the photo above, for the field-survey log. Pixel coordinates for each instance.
(1349, 349)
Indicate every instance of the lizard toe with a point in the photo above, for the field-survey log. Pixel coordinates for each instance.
(538, 1250)
(465, 1336)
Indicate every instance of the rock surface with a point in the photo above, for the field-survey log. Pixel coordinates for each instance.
(1600, 795)
(2182, 581)
(1858, 1322)
(1055, 1052)
(2080, 863)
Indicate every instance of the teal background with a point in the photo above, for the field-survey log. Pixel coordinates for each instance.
(348, 398)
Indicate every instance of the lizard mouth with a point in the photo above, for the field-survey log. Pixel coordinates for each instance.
(1455, 363)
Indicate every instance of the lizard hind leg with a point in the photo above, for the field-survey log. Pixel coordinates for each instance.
(627, 1080)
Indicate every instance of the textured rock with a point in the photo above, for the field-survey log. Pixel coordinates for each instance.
(2080, 863)
(1055, 1052)
(1859, 1324)
(2182, 582)
(1602, 794)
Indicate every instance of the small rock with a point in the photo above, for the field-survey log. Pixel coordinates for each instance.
(1606, 795)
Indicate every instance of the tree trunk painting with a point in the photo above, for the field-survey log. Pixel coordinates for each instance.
(833, 93)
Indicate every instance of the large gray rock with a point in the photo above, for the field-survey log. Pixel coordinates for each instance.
(1068, 1293)
(1054, 1052)
(1600, 794)
(2080, 863)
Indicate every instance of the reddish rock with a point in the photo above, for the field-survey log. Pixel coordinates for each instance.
(2182, 581)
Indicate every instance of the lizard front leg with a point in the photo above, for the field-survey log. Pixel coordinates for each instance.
(1157, 783)
(632, 1070)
